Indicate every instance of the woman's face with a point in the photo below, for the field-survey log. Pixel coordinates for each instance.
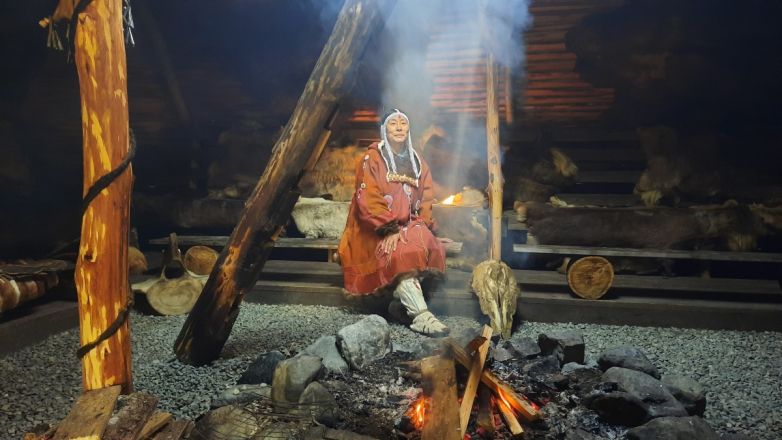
(397, 129)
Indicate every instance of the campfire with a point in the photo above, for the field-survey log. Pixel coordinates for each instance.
(438, 413)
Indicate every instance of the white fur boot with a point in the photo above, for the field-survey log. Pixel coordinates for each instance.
(412, 298)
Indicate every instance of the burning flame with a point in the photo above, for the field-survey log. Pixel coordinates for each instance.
(504, 400)
(449, 200)
(417, 412)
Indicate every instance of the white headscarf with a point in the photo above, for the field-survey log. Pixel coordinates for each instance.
(410, 152)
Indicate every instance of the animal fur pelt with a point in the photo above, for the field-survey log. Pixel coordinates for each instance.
(730, 226)
(465, 224)
(704, 168)
(539, 176)
(334, 174)
(497, 291)
(320, 218)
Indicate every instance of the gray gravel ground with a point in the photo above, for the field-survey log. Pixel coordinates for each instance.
(742, 371)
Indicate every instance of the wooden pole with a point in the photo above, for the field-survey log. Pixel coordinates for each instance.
(474, 379)
(268, 208)
(102, 264)
(493, 156)
(508, 89)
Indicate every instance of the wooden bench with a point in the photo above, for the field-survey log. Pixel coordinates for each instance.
(329, 244)
(584, 282)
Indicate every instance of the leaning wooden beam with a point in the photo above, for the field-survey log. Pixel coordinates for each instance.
(89, 416)
(268, 208)
(439, 381)
(520, 404)
(474, 378)
(101, 266)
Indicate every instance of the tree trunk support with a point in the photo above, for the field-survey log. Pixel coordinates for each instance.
(102, 263)
(268, 208)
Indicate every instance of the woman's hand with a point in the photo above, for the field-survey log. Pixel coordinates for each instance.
(389, 242)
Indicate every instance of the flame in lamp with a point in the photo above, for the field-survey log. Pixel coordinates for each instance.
(449, 200)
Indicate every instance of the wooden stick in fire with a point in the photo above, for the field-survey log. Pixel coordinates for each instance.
(510, 418)
(520, 404)
(474, 379)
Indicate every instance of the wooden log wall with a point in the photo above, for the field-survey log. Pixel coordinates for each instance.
(545, 89)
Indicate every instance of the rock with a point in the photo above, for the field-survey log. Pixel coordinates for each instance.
(618, 407)
(504, 352)
(674, 428)
(542, 367)
(240, 394)
(688, 392)
(627, 357)
(419, 348)
(316, 402)
(526, 347)
(320, 218)
(569, 345)
(365, 341)
(572, 367)
(558, 381)
(582, 378)
(326, 349)
(227, 423)
(291, 378)
(321, 432)
(660, 402)
(261, 370)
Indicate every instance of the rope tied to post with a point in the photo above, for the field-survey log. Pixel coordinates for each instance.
(99, 185)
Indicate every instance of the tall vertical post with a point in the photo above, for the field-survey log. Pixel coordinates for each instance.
(102, 262)
(493, 158)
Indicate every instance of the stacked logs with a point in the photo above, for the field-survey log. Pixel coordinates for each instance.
(94, 416)
(24, 281)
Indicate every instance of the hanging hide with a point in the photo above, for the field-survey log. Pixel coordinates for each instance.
(320, 218)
